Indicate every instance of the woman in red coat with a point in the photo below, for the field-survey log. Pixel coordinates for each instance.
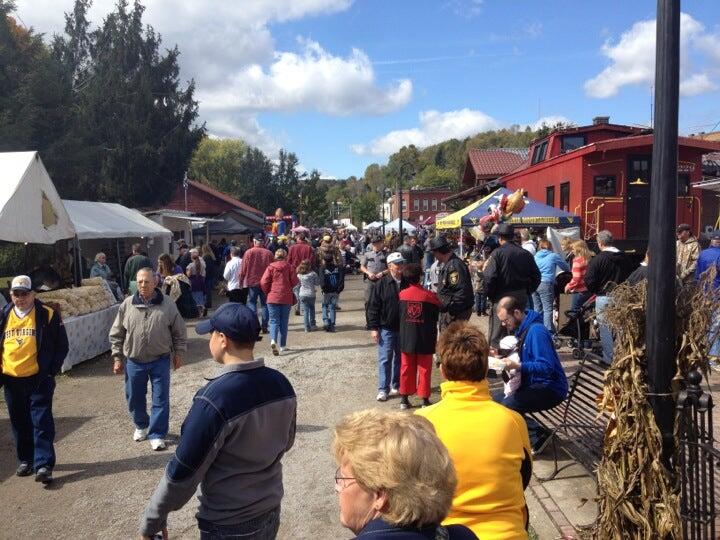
(277, 283)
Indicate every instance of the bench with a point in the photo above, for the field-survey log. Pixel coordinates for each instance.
(576, 419)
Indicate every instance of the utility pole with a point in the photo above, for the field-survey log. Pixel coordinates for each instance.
(185, 187)
(660, 318)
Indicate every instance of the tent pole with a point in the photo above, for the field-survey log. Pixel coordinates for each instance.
(461, 242)
(78, 259)
(119, 261)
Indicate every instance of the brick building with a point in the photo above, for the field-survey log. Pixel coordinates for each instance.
(421, 203)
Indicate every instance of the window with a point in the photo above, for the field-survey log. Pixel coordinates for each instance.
(416, 204)
(683, 185)
(443, 206)
(565, 196)
(539, 152)
(604, 186)
(550, 195)
(404, 205)
(639, 171)
(434, 205)
(425, 205)
(571, 142)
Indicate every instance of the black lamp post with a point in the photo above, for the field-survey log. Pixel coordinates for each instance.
(404, 166)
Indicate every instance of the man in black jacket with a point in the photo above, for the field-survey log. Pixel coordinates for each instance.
(383, 317)
(411, 252)
(454, 284)
(510, 271)
(605, 270)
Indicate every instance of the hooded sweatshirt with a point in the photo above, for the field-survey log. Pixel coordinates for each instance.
(539, 362)
(547, 262)
(277, 283)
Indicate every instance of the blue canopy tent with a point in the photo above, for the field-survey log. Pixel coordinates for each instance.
(535, 214)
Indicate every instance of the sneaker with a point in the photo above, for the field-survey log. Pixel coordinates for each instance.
(44, 475)
(394, 392)
(140, 434)
(331, 328)
(404, 406)
(382, 395)
(24, 469)
(541, 441)
(326, 327)
(338, 308)
(283, 350)
(157, 444)
(265, 330)
(426, 403)
(297, 312)
(274, 348)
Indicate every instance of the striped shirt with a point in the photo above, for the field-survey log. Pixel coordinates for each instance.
(577, 283)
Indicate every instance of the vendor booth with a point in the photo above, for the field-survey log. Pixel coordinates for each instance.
(394, 225)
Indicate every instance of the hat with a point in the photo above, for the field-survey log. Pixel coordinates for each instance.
(234, 320)
(714, 235)
(327, 238)
(395, 258)
(440, 244)
(21, 283)
(683, 227)
(376, 238)
(505, 231)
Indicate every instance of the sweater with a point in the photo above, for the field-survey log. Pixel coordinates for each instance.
(579, 268)
(300, 252)
(548, 262)
(419, 311)
(278, 282)
(255, 261)
(490, 448)
(308, 284)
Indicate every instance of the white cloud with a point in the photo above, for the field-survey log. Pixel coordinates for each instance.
(434, 127)
(313, 79)
(633, 59)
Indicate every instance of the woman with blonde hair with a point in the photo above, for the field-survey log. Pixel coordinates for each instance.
(277, 283)
(576, 286)
(196, 272)
(395, 478)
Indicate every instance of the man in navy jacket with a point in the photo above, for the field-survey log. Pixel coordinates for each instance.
(543, 384)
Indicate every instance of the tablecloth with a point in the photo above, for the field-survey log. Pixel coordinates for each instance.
(88, 335)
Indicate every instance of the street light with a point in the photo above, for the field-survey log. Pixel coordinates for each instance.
(410, 167)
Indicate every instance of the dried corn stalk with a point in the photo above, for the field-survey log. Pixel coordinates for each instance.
(638, 497)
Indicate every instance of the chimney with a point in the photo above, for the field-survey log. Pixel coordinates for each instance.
(601, 120)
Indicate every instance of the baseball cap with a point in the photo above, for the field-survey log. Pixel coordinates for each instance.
(683, 227)
(439, 243)
(21, 283)
(377, 238)
(395, 258)
(234, 320)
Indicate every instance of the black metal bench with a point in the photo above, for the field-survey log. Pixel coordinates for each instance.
(576, 419)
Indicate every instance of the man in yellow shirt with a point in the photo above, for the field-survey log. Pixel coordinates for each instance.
(34, 345)
(488, 443)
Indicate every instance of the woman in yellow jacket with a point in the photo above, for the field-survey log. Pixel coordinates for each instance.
(488, 442)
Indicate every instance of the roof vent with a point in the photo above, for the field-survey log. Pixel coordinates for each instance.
(601, 120)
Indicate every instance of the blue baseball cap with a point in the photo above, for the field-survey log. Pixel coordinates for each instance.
(234, 320)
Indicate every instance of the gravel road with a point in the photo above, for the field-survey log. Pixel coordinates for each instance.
(103, 479)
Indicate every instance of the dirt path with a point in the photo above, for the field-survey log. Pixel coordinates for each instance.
(103, 478)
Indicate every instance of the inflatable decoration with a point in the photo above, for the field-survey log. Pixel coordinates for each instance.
(506, 207)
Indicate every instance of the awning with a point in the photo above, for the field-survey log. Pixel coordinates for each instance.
(394, 225)
(111, 220)
(229, 225)
(30, 208)
(455, 220)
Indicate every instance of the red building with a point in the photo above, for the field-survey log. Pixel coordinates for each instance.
(485, 165)
(602, 173)
(418, 203)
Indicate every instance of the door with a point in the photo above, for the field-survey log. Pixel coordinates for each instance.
(637, 218)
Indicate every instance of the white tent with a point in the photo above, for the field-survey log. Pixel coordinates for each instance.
(30, 208)
(111, 220)
(394, 225)
(373, 225)
(350, 227)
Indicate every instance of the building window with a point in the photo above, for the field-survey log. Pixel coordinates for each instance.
(416, 204)
(404, 205)
(683, 185)
(565, 196)
(550, 195)
(604, 186)
(425, 205)
(639, 170)
(434, 205)
(539, 152)
(571, 142)
(443, 206)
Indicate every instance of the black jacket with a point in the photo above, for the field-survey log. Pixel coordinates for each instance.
(419, 309)
(455, 287)
(605, 270)
(383, 309)
(510, 268)
(332, 279)
(51, 338)
(411, 254)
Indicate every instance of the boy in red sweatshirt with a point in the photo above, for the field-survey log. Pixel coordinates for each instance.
(419, 310)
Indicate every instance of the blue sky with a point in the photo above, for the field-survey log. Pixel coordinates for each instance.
(342, 83)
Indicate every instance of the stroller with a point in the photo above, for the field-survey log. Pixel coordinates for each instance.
(580, 331)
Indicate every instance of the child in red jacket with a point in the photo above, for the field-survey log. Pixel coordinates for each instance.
(419, 310)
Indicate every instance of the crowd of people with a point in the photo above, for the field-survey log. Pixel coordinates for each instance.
(399, 475)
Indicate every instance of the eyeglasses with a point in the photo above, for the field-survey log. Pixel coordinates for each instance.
(340, 480)
(505, 320)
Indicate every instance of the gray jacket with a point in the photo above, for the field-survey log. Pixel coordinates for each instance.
(145, 332)
(239, 427)
(308, 284)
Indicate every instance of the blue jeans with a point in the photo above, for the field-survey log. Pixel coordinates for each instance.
(33, 427)
(264, 527)
(543, 302)
(606, 337)
(254, 294)
(578, 299)
(137, 375)
(480, 303)
(527, 399)
(308, 308)
(388, 359)
(329, 303)
(279, 317)
(199, 297)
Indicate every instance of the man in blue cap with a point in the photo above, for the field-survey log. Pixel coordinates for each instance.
(240, 425)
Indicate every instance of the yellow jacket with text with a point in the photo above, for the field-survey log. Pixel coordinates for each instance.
(490, 448)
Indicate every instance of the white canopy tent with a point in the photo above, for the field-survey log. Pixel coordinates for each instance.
(30, 208)
(394, 225)
(373, 225)
(111, 220)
